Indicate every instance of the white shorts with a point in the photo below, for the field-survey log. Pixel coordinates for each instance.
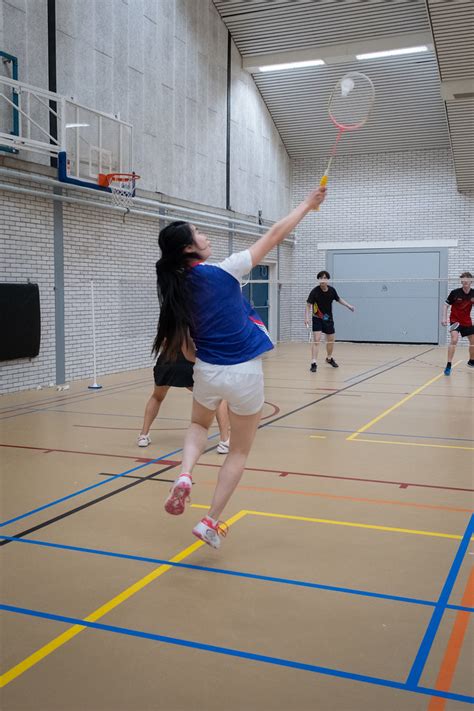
(240, 384)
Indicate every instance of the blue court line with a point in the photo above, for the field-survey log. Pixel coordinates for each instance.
(93, 486)
(382, 365)
(234, 573)
(276, 661)
(384, 434)
(430, 634)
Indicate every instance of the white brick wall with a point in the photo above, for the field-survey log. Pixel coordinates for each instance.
(391, 196)
(26, 252)
(119, 256)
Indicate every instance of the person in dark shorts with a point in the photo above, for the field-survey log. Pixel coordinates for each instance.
(319, 305)
(177, 374)
(460, 301)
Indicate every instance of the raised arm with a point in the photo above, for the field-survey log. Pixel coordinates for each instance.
(279, 231)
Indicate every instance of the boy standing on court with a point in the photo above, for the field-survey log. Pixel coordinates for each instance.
(319, 304)
(460, 301)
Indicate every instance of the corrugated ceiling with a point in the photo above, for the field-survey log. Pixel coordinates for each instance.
(409, 112)
(279, 25)
(453, 31)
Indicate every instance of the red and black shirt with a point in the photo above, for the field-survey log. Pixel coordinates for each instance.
(322, 301)
(461, 305)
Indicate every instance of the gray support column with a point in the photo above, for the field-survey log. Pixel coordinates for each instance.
(278, 294)
(59, 290)
(228, 122)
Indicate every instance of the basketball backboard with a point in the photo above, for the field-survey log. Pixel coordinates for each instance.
(95, 143)
(86, 142)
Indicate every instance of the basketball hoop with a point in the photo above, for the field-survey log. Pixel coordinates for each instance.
(122, 187)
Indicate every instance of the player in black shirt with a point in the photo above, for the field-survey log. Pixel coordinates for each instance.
(319, 304)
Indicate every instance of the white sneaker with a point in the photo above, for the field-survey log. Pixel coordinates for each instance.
(143, 440)
(209, 532)
(179, 494)
(223, 447)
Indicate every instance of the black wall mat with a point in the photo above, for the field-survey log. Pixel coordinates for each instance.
(20, 321)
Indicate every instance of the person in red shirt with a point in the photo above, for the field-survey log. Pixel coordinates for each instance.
(460, 301)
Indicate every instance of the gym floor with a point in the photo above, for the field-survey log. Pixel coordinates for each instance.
(345, 582)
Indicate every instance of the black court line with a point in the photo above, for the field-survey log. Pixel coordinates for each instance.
(168, 468)
(130, 476)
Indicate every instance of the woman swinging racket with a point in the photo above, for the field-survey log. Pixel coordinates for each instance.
(206, 301)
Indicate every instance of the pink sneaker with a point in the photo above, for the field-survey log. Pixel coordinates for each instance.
(178, 495)
(209, 531)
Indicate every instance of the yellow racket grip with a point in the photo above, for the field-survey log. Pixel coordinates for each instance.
(322, 184)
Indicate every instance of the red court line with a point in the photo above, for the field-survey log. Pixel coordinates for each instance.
(133, 429)
(29, 408)
(281, 472)
(291, 387)
(340, 497)
(276, 411)
(453, 649)
(48, 450)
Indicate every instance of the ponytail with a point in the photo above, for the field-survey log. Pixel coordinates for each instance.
(174, 323)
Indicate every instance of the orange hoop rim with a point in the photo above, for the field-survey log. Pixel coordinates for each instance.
(105, 179)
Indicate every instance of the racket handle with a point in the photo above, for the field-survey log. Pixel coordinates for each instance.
(322, 184)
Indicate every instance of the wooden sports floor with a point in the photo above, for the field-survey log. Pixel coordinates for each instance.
(345, 582)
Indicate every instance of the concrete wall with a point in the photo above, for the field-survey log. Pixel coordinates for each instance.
(162, 66)
(24, 33)
(260, 166)
(380, 197)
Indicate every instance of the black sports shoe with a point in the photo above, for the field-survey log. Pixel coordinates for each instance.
(470, 362)
(332, 362)
(313, 368)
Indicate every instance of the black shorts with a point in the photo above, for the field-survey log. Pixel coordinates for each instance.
(326, 325)
(176, 374)
(465, 331)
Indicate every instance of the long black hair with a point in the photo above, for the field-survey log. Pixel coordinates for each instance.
(175, 321)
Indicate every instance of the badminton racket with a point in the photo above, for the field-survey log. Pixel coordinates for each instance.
(453, 326)
(349, 108)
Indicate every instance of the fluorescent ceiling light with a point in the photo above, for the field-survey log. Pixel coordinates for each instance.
(393, 52)
(77, 125)
(291, 65)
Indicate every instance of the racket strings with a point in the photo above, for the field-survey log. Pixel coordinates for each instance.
(351, 101)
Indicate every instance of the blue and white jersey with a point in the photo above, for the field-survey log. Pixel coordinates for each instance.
(226, 329)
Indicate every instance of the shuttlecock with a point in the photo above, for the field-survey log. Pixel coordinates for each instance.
(347, 85)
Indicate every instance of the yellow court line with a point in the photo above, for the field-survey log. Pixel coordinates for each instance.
(63, 638)
(353, 524)
(317, 436)
(73, 631)
(398, 404)
(413, 444)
